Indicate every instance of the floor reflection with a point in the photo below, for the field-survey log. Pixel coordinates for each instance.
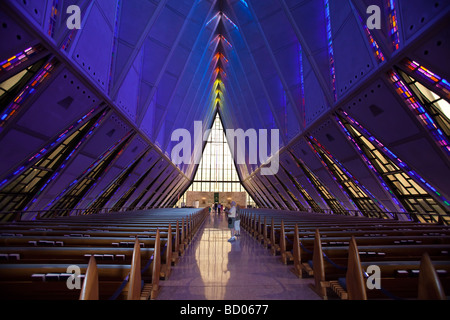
(214, 269)
(212, 260)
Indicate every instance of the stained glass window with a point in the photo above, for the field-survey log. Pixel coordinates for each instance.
(331, 201)
(313, 204)
(427, 112)
(114, 186)
(11, 87)
(78, 189)
(355, 191)
(395, 175)
(216, 171)
(127, 195)
(438, 107)
(31, 178)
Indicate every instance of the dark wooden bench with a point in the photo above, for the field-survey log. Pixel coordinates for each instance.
(121, 255)
(23, 279)
(390, 244)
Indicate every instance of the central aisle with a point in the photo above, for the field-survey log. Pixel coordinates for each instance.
(214, 269)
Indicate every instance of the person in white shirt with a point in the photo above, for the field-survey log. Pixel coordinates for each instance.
(237, 225)
(232, 221)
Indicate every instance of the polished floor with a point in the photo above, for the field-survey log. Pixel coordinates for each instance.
(214, 269)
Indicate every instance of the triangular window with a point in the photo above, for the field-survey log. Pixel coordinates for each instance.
(216, 171)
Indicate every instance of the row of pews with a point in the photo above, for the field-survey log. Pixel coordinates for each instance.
(357, 258)
(115, 256)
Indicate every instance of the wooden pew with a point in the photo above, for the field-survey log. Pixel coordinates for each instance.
(404, 240)
(100, 244)
(108, 276)
(134, 284)
(89, 291)
(338, 257)
(428, 284)
(430, 287)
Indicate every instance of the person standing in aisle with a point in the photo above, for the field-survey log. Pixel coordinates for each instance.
(232, 220)
(237, 225)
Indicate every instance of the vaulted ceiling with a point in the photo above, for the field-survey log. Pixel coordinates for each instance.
(263, 64)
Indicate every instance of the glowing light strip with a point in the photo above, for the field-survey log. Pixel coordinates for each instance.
(330, 48)
(244, 3)
(19, 58)
(393, 22)
(14, 106)
(216, 39)
(415, 106)
(218, 56)
(226, 41)
(223, 58)
(216, 15)
(231, 22)
(217, 70)
(388, 153)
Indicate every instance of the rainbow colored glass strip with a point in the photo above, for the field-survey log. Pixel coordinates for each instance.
(330, 48)
(388, 153)
(375, 47)
(415, 106)
(393, 23)
(30, 89)
(66, 44)
(53, 18)
(19, 58)
(438, 82)
(244, 3)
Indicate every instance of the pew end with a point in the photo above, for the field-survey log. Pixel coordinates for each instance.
(134, 283)
(166, 268)
(296, 255)
(430, 287)
(356, 285)
(320, 285)
(89, 291)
